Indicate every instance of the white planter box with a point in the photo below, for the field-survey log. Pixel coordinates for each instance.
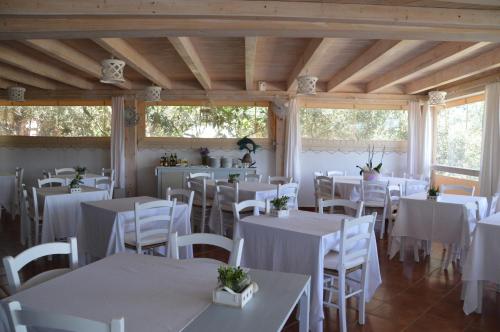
(433, 198)
(280, 213)
(75, 190)
(225, 296)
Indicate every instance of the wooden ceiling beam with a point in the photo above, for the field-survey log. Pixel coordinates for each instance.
(250, 57)
(315, 52)
(374, 52)
(24, 77)
(123, 50)
(18, 59)
(481, 63)
(4, 84)
(273, 10)
(188, 53)
(20, 28)
(64, 53)
(437, 56)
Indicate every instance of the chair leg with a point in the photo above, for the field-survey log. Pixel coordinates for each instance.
(342, 303)
(361, 306)
(203, 215)
(449, 254)
(415, 251)
(382, 228)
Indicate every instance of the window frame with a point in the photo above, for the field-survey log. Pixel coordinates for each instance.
(13, 141)
(145, 142)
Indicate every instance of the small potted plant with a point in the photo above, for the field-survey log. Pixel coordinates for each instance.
(204, 152)
(74, 185)
(280, 207)
(235, 288)
(81, 170)
(233, 178)
(433, 193)
(369, 171)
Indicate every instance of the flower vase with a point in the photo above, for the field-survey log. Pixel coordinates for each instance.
(371, 175)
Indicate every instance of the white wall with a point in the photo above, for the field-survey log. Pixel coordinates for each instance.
(148, 159)
(35, 160)
(312, 161)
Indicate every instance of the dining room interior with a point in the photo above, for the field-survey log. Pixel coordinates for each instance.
(248, 165)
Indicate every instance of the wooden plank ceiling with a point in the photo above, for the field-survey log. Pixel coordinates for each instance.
(393, 51)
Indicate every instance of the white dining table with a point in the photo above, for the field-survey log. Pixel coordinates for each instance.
(61, 210)
(104, 224)
(7, 191)
(298, 244)
(156, 294)
(348, 187)
(449, 220)
(87, 180)
(482, 262)
(247, 191)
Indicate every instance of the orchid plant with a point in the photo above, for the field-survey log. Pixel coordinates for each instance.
(369, 165)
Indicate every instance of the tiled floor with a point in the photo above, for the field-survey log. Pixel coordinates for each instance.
(412, 297)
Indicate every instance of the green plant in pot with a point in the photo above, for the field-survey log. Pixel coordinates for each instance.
(74, 185)
(280, 206)
(80, 169)
(233, 278)
(235, 288)
(433, 193)
(233, 178)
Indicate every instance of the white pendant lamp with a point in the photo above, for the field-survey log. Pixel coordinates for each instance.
(437, 98)
(16, 93)
(306, 85)
(112, 71)
(152, 93)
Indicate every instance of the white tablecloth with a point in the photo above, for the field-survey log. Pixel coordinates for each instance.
(88, 179)
(61, 210)
(298, 244)
(104, 224)
(247, 191)
(151, 293)
(483, 260)
(7, 191)
(348, 187)
(442, 221)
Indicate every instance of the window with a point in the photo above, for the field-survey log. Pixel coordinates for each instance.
(459, 134)
(205, 122)
(58, 121)
(357, 125)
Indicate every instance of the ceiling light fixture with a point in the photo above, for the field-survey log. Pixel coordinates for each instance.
(112, 71)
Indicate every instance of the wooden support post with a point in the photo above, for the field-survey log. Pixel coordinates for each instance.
(131, 153)
(279, 139)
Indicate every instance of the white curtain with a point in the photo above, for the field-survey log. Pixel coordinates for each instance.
(118, 140)
(419, 153)
(489, 176)
(293, 141)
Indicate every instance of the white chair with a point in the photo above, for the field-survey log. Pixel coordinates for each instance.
(109, 172)
(415, 186)
(335, 173)
(208, 176)
(456, 187)
(316, 174)
(393, 198)
(324, 189)
(20, 319)
(14, 264)
(253, 177)
(291, 190)
(493, 204)
(60, 171)
(26, 220)
(50, 182)
(248, 207)
(235, 247)
(356, 236)
(18, 189)
(278, 179)
(182, 195)
(152, 236)
(373, 194)
(106, 183)
(345, 203)
(226, 195)
(201, 201)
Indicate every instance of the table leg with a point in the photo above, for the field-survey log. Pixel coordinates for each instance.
(304, 303)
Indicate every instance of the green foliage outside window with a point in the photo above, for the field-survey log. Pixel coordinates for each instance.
(203, 122)
(357, 125)
(459, 134)
(59, 121)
